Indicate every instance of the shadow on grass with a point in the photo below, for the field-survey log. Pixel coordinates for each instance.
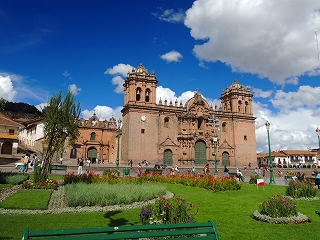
(5, 238)
(115, 222)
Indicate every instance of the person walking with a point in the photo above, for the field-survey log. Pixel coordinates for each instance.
(226, 171)
(206, 169)
(80, 166)
(139, 169)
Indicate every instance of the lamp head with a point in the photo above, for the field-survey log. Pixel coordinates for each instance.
(267, 125)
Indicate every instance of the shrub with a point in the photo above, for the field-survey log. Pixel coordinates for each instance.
(103, 194)
(253, 179)
(17, 178)
(304, 189)
(13, 177)
(278, 206)
(71, 177)
(111, 172)
(166, 211)
(44, 184)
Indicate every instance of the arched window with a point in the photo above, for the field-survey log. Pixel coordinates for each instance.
(239, 106)
(138, 94)
(166, 122)
(224, 126)
(93, 136)
(246, 107)
(147, 95)
(200, 121)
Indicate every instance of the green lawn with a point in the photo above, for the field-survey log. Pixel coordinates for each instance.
(28, 199)
(231, 211)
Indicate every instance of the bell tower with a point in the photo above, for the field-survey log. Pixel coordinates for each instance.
(237, 100)
(140, 87)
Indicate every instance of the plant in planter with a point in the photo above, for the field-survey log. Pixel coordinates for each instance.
(279, 209)
(304, 189)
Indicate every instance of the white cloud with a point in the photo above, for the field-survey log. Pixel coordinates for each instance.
(74, 89)
(41, 106)
(118, 81)
(103, 113)
(120, 70)
(67, 74)
(294, 117)
(172, 56)
(305, 96)
(170, 15)
(6, 88)
(270, 38)
(260, 93)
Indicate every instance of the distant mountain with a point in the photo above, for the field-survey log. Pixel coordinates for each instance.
(21, 110)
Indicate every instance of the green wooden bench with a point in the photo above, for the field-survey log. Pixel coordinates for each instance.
(153, 170)
(58, 167)
(203, 230)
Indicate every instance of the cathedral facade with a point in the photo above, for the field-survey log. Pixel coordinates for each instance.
(194, 133)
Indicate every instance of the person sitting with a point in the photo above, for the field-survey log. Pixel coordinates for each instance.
(240, 175)
(207, 169)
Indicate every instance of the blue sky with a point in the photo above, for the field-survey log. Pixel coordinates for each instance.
(88, 47)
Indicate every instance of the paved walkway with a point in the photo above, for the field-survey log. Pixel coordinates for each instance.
(99, 168)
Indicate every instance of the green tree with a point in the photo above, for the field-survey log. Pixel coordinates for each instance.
(60, 127)
(2, 104)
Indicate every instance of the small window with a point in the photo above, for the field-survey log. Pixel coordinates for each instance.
(166, 122)
(224, 127)
(93, 136)
(142, 130)
(245, 137)
(11, 131)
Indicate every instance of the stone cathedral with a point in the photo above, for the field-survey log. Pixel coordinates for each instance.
(193, 134)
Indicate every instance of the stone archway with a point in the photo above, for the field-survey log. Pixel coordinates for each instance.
(200, 153)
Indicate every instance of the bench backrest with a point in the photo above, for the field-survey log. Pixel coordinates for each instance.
(204, 230)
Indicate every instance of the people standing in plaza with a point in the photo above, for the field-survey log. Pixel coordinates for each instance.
(80, 165)
(139, 169)
(240, 175)
(226, 171)
(26, 163)
(88, 162)
(61, 160)
(22, 164)
(206, 169)
(193, 170)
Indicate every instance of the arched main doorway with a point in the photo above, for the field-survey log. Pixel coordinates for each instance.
(225, 159)
(92, 154)
(6, 148)
(200, 153)
(167, 157)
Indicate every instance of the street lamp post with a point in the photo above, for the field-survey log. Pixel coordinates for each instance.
(318, 133)
(118, 150)
(272, 181)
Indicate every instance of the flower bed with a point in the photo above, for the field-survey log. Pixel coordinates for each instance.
(44, 184)
(281, 210)
(207, 181)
